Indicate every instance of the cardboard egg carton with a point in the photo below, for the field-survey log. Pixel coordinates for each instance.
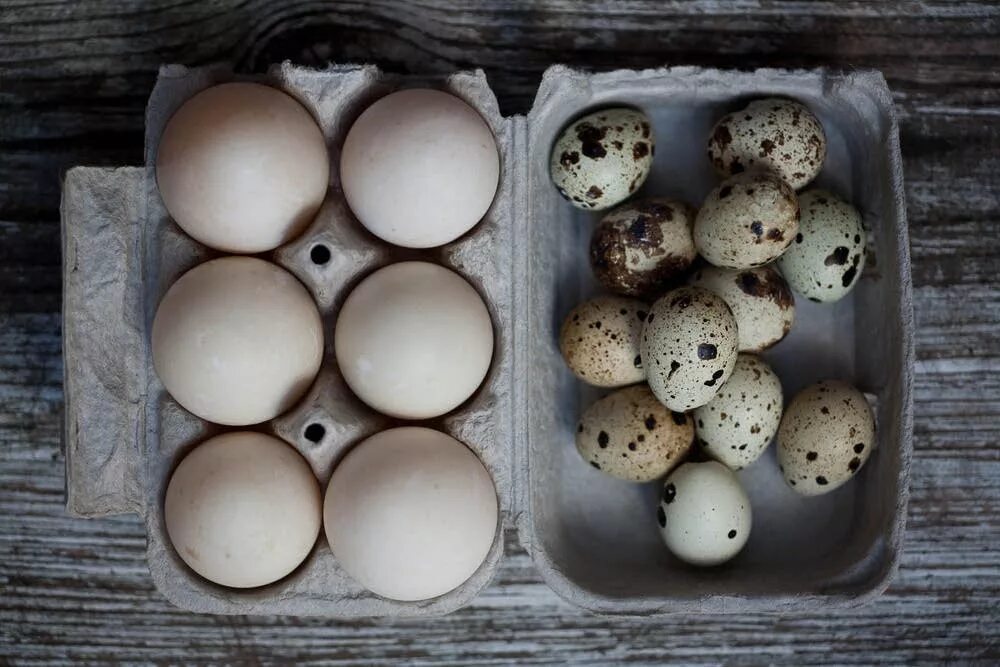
(593, 538)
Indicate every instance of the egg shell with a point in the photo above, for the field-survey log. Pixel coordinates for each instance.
(747, 221)
(631, 435)
(414, 340)
(826, 259)
(738, 424)
(689, 347)
(410, 513)
(826, 435)
(243, 509)
(704, 514)
(602, 158)
(600, 341)
(759, 298)
(640, 247)
(203, 176)
(419, 168)
(237, 341)
(774, 134)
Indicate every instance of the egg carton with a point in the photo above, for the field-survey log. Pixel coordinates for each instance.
(594, 539)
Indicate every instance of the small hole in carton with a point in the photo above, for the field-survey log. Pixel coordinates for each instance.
(319, 254)
(315, 432)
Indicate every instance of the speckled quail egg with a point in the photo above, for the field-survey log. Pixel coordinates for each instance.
(826, 435)
(775, 134)
(639, 248)
(688, 346)
(747, 221)
(600, 341)
(738, 424)
(602, 158)
(760, 299)
(632, 436)
(704, 513)
(826, 259)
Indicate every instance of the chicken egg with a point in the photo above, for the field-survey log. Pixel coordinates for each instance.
(242, 167)
(419, 168)
(237, 341)
(410, 513)
(414, 340)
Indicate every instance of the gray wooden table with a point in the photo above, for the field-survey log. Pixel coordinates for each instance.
(74, 76)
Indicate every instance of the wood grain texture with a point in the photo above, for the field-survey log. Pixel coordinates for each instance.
(74, 76)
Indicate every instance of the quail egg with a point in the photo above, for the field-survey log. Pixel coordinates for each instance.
(760, 299)
(826, 259)
(639, 248)
(704, 513)
(600, 341)
(747, 221)
(738, 424)
(632, 436)
(602, 158)
(775, 134)
(826, 435)
(689, 347)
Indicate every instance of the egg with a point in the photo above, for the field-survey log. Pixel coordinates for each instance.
(828, 255)
(602, 158)
(759, 298)
(737, 425)
(640, 248)
(419, 168)
(689, 347)
(242, 167)
(237, 341)
(774, 134)
(243, 509)
(600, 341)
(747, 221)
(826, 435)
(414, 340)
(632, 436)
(704, 514)
(410, 513)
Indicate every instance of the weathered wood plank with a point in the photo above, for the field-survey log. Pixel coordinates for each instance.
(74, 76)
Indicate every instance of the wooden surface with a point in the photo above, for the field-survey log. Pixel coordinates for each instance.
(74, 76)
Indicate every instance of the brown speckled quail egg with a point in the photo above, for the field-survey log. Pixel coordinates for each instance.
(826, 259)
(600, 341)
(704, 513)
(632, 436)
(602, 158)
(689, 347)
(738, 424)
(760, 299)
(640, 247)
(747, 221)
(826, 435)
(775, 134)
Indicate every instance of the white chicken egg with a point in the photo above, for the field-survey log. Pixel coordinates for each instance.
(242, 167)
(410, 513)
(414, 340)
(704, 513)
(419, 168)
(237, 340)
(243, 509)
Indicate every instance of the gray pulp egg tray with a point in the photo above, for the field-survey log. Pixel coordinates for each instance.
(593, 538)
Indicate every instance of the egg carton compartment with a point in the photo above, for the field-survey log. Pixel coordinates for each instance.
(125, 434)
(595, 538)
